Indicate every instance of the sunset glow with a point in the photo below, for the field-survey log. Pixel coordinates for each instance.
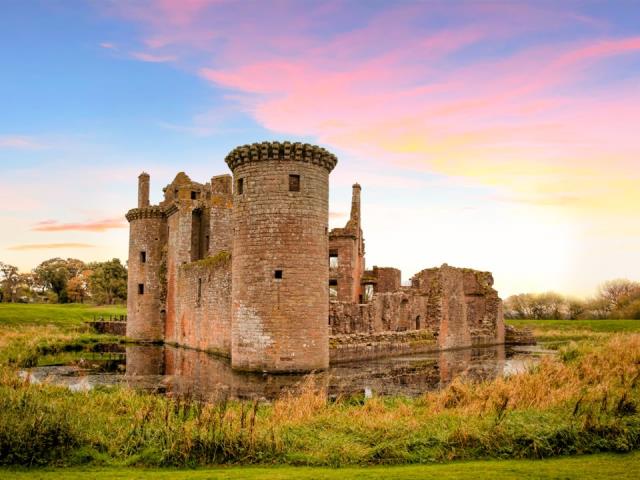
(502, 136)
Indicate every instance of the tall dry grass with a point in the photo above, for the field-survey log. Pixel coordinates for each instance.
(585, 400)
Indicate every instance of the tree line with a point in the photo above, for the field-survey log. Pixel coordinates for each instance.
(615, 299)
(60, 280)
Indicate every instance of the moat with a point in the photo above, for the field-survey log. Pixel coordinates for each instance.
(180, 372)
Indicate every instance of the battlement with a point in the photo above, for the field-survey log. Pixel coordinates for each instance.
(287, 151)
(145, 212)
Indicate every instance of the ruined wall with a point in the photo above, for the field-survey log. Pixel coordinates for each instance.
(348, 243)
(147, 238)
(279, 259)
(459, 307)
(469, 309)
(383, 279)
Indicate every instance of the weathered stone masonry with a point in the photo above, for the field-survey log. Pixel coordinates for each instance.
(245, 267)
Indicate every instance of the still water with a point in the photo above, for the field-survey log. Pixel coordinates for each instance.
(181, 372)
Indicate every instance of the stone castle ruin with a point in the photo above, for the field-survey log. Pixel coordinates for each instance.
(245, 267)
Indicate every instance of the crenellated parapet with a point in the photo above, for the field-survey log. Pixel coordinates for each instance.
(296, 151)
(145, 212)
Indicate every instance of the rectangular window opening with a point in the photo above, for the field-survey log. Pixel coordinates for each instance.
(199, 291)
(277, 275)
(240, 186)
(294, 183)
(194, 195)
(143, 257)
(141, 289)
(333, 259)
(333, 288)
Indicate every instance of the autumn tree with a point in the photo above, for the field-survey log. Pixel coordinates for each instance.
(617, 293)
(54, 274)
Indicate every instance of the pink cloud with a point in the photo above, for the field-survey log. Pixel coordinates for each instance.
(49, 246)
(527, 119)
(90, 226)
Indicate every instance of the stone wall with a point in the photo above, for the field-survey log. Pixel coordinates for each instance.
(203, 307)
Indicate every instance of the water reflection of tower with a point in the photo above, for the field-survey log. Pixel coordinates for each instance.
(144, 360)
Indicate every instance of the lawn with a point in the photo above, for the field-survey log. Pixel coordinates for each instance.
(557, 332)
(28, 331)
(603, 466)
(65, 316)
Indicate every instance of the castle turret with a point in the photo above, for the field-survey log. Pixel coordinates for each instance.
(143, 190)
(280, 270)
(147, 235)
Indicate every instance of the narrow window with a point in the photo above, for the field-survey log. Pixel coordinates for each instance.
(277, 275)
(333, 259)
(141, 289)
(199, 291)
(143, 257)
(194, 195)
(294, 183)
(418, 322)
(333, 288)
(240, 185)
(206, 245)
(368, 292)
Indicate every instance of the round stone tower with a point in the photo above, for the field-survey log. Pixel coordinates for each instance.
(280, 258)
(147, 232)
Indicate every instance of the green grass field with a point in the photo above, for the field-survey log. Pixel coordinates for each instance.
(29, 331)
(607, 326)
(604, 466)
(65, 316)
(554, 333)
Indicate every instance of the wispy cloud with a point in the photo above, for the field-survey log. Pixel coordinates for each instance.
(89, 226)
(153, 58)
(20, 142)
(108, 45)
(49, 246)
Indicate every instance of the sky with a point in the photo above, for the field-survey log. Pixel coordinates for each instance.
(496, 135)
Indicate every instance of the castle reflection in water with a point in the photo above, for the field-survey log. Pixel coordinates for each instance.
(184, 372)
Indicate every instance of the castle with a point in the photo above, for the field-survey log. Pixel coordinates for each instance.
(245, 267)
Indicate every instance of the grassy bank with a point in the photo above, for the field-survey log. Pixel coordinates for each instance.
(562, 331)
(585, 400)
(595, 467)
(28, 331)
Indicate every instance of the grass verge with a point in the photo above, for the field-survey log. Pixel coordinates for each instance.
(603, 466)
